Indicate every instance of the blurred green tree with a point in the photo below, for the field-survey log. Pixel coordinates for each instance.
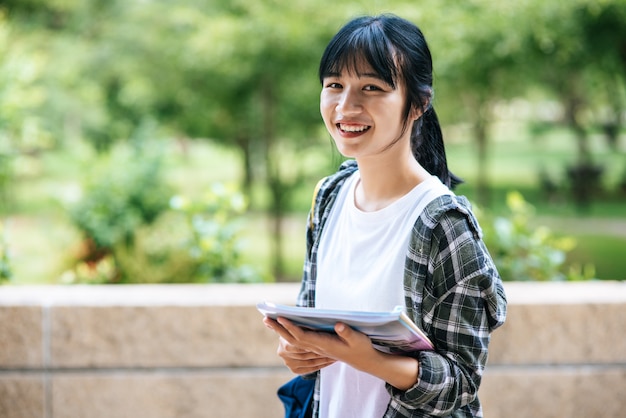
(118, 202)
(244, 74)
(478, 67)
(575, 52)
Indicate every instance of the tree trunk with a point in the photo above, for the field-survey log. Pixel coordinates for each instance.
(572, 106)
(479, 127)
(277, 216)
(243, 143)
(482, 178)
(585, 177)
(273, 176)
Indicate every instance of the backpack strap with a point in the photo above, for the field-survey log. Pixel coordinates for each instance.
(315, 192)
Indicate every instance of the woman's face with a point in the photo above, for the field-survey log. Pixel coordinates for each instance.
(363, 113)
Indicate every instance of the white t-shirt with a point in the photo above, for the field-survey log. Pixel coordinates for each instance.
(360, 267)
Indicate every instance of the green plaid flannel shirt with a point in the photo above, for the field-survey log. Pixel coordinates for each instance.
(452, 289)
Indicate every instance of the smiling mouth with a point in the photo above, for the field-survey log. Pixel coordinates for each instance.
(353, 128)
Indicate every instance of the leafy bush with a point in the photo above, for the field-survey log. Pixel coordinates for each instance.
(126, 194)
(214, 242)
(157, 254)
(104, 270)
(524, 253)
(136, 233)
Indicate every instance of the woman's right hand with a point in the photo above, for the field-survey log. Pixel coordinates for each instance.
(298, 359)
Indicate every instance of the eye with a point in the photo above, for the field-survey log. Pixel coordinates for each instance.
(372, 87)
(333, 85)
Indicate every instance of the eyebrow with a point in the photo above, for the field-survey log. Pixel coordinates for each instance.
(360, 75)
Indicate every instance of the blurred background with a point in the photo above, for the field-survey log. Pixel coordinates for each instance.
(147, 141)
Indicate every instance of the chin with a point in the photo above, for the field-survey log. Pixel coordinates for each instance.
(345, 151)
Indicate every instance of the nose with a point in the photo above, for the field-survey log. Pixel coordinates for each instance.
(349, 102)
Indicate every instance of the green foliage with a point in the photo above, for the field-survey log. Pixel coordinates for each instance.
(125, 194)
(102, 271)
(243, 74)
(524, 253)
(214, 241)
(133, 234)
(157, 255)
(196, 241)
(6, 177)
(5, 266)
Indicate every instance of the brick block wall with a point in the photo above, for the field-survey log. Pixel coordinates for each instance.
(187, 351)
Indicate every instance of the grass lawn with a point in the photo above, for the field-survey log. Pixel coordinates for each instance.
(606, 252)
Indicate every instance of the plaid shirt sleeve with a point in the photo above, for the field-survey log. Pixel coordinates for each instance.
(453, 289)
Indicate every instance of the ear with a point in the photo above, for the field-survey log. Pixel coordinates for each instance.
(417, 112)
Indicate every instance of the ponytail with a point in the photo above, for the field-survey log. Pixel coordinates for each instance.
(427, 147)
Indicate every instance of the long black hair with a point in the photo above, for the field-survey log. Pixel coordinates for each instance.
(397, 51)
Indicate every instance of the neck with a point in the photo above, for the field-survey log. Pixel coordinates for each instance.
(385, 181)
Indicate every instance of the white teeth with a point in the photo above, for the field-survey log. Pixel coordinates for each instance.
(353, 128)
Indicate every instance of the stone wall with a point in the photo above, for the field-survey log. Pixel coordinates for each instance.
(187, 351)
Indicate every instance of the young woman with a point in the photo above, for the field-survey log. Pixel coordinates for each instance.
(387, 230)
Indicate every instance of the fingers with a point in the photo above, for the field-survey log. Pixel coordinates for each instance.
(309, 340)
(351, 337)
(295, 348)
(305, 337)
(294, 331)
(286, 349)
(343, 331)
(306, 368)
(301, 361)
(289, 331)
(280, 329)
(305, 351)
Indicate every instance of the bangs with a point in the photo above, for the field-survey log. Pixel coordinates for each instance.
(359, 51)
